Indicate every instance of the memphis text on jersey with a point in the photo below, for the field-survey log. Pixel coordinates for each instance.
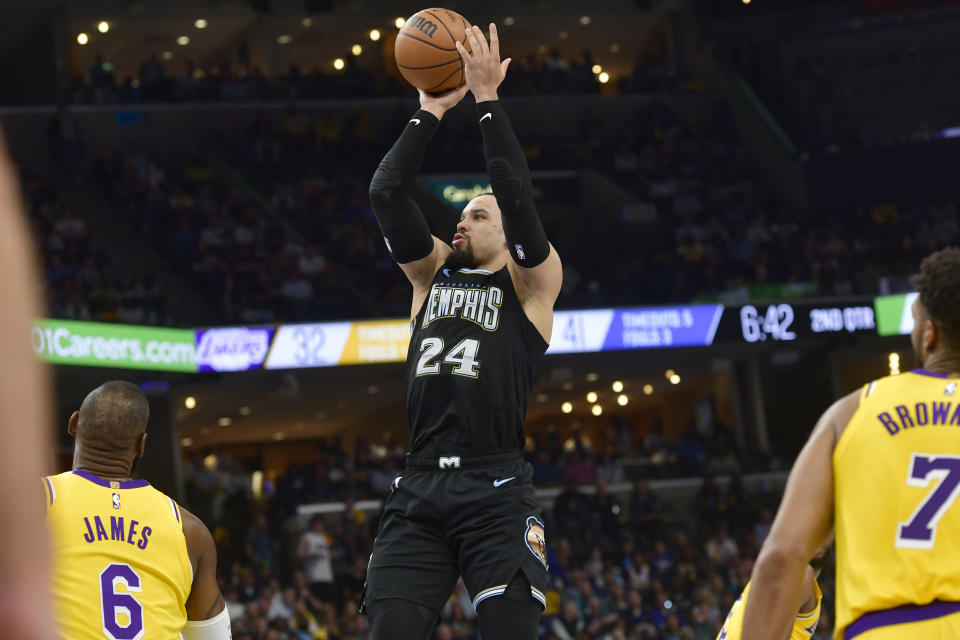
(477, 304)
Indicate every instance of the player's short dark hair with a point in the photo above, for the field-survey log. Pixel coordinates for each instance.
(938, 284)
(115, 414)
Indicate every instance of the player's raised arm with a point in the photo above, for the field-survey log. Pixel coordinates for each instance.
(207, 616)
(803, 526)
(540, 273)
(404, 227)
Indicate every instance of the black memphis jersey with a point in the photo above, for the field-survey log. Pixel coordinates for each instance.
(471, 365)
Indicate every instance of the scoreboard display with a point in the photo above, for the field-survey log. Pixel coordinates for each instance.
(329, 344)
(790, 321)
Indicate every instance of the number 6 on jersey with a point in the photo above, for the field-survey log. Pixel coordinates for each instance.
(463, 355)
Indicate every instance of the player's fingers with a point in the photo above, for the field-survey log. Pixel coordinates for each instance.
(503, 67)
(462, 50)
(475, 49)
(494, 41)
(481, 40)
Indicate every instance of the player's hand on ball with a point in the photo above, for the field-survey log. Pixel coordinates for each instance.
(440, 103)
(483, 68)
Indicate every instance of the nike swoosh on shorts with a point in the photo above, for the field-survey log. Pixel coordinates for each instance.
(415, 120)
(497, 483)
(485, 116)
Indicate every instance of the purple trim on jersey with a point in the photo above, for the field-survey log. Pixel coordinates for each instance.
(932, 374)
(49, 489)
(124, 484)
(176, 510)
(900, 615)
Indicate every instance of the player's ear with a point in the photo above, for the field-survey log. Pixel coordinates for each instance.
(72, 424)
(931, 336)
(141, 445)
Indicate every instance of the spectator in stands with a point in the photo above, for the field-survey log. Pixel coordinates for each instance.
(314, 551)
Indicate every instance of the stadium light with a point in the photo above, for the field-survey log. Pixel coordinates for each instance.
(338, 64)
(374, 34)
(225, 421)
(103, 26)
(893, 360)
(82, 39)
(596, 69)
(399, 22)
(167, 55)
(190, 402)
(674, 379)
(566, 407)
(356, 49)
(596, 410)
(623, 399)
(183, 41)
(592, 397)
(244, 411)
(647, 389)
(509, 21)
(285, 38)
(617, 386)
(200, 23)
(614, 48)
(584, 20)
(307, 22)
(186, 442)
(604, 77)
(593, 377)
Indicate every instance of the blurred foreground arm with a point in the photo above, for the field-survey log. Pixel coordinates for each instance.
(25, 609)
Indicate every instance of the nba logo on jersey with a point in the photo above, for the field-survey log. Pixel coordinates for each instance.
(116, 500)
(519, 249)
(951, 388)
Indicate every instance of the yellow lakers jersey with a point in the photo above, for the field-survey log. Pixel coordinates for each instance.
(803, 626)
(120, 564)
(897, 477)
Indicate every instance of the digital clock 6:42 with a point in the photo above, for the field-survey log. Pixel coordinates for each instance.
(774, 323)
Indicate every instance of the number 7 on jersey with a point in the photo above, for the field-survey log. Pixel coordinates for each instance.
(920, 531)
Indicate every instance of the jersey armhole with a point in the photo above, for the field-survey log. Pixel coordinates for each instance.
(49, 493)
(806, 615)
(867, 390)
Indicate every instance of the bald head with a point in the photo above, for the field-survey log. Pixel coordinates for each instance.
(114, 415)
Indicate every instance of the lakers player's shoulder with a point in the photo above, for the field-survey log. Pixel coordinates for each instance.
(839, 414)
(205, 599)
(199, 540)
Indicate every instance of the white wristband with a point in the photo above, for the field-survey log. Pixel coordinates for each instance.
(216, 628)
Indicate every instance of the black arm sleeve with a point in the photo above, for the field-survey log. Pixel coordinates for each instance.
(510, 181)
(402, 222)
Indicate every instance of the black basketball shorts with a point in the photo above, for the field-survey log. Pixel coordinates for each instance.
(446, 517)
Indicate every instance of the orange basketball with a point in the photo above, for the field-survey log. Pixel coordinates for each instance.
(426, 49)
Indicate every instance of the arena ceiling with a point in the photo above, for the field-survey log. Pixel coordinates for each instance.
(304, 34)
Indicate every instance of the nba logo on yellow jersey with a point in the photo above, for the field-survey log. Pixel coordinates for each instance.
(116, 500)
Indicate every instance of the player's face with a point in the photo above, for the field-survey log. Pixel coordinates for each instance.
(479, 230)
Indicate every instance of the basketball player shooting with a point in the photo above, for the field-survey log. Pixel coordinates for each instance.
(881, 467)
(129, 562)
(482, 315)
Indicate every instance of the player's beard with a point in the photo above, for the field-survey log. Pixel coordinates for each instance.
(460, 258)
